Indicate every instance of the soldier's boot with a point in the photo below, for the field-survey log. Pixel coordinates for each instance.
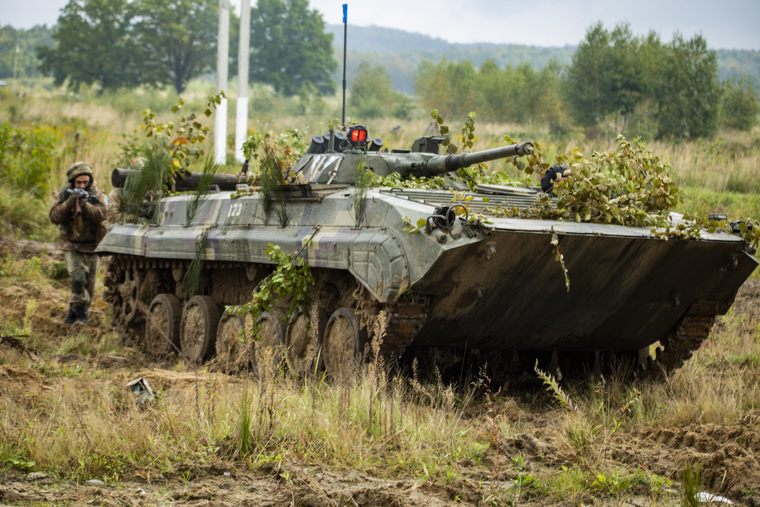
(78, 284)
(71, 316)
(81, 314)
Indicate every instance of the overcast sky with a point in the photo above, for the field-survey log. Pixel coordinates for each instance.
(726, 24)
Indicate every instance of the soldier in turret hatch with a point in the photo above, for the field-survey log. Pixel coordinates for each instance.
(80, 214)
(554, 174)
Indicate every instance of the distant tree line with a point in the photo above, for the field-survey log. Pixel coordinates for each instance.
(513, 94)
(637, 85)
(673, 86)
(24, 60)
(125, 43)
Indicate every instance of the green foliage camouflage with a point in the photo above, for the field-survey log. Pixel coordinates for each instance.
(143, 189)
(192, 280)
(364, 180)
(290, 282)
(210, 169)
(275, 155)
(166, 153)
(273, 187)
(630, 186)
(288, 146)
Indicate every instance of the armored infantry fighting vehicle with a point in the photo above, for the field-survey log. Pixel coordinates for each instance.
(459, 286)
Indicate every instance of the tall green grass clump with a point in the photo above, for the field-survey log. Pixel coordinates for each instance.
(26, 157)
(24, 216)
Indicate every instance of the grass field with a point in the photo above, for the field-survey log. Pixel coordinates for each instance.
(66, 413)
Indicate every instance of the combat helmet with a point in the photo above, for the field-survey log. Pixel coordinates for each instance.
(78, 169)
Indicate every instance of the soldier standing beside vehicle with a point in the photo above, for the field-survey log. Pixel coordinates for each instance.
(80, 214)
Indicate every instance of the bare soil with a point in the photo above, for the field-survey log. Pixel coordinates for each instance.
(729, 453)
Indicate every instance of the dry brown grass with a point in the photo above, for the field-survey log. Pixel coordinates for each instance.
(70, 414)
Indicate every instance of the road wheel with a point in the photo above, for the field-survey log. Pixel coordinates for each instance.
(301, 345)
(112, 283)
(343, 344)
(162, 327)
(129, 290)
(200, 318)
(231, 343)
(267, 351)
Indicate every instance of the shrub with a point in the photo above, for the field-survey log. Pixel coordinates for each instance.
(740, 104)
(27, 157)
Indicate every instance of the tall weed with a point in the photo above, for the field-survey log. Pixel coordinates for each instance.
(24, 216)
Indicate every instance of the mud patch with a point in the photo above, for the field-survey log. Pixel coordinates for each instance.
(47, 307)
(727, 454)
(20, 382)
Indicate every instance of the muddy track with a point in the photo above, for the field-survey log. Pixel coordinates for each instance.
(729, 455)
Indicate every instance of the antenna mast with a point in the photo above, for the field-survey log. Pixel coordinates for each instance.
(345, 38)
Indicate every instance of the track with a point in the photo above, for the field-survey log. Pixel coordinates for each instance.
(135, 284)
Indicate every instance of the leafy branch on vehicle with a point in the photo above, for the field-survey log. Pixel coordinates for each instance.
(163, 156)
(291, 279)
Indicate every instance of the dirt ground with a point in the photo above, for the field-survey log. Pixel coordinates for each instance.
(728, 452)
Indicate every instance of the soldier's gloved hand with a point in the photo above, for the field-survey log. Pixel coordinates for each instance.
(92, 199)
(66, 195)
(80, 193)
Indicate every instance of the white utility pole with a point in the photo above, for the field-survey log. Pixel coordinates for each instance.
(241, 123)
(15, 66)
(222, 55)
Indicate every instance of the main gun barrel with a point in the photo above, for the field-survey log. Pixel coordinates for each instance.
(448, 163)
(185, 182)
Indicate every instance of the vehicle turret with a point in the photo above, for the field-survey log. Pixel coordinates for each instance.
(339, 166)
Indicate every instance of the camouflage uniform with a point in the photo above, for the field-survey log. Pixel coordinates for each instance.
(114, 214)
(80, 221)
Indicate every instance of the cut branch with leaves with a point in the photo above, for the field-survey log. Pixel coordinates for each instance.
(291, 279)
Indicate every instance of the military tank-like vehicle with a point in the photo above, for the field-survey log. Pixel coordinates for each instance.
(459, 285)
